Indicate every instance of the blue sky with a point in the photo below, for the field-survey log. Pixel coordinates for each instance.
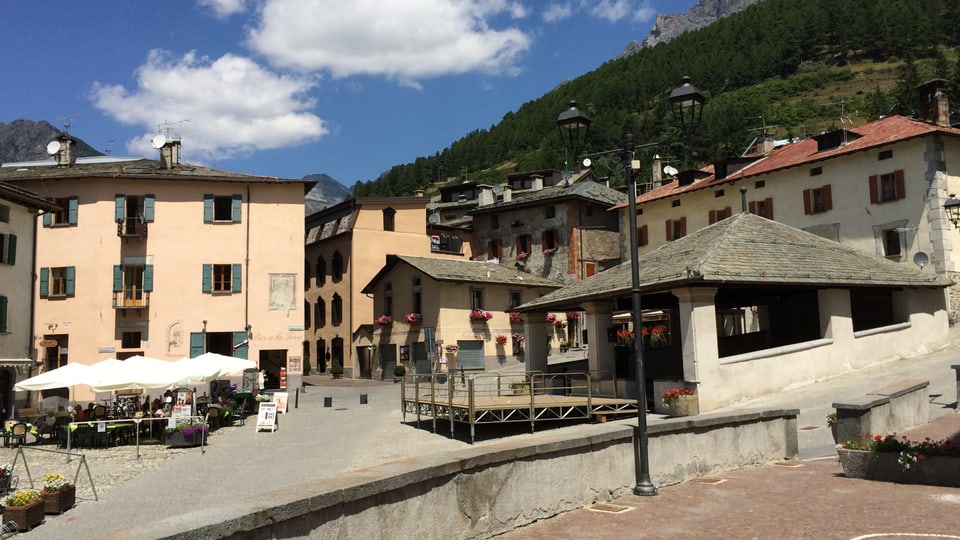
(293, 87)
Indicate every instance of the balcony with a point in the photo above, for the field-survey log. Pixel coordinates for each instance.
(132, 227)
(131, 299)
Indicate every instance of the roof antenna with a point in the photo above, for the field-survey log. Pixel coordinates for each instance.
(67, 122)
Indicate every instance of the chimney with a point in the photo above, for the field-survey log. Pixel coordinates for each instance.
(934, 106)
(507, 193)
(486, 195)
(657, 172)
(765, 144)
(418, 193)
(62, 151)
(536, 182)
(170, 154)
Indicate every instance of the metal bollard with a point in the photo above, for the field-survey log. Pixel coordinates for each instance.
(363, 399)
(328, 402)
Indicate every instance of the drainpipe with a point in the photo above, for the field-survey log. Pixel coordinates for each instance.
(246, 270)
(33, 304)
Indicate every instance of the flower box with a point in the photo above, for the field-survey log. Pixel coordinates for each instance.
(26, 517)
(684, 405)
(180, 439)
(59, 502)
(886, 467)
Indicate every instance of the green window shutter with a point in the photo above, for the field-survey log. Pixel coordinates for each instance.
(237, 205)
(118, 202)
(148, 278)
(74, 204)
(3, 315)
(71, 280)
(207, 283)
(148, 202)
(241, 351)
(237, 276)
(117, 278)
(196, 344)
(11, 249)
(47, 218)
(44, 282)
(208, 207)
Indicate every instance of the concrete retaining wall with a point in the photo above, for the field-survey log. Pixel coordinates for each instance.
(891, 409)
(483, 491)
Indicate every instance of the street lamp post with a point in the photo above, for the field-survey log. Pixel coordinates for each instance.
(687, 105)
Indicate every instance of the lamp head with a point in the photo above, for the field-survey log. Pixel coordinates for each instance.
(687, 104)
(573, 125)
(952, 206)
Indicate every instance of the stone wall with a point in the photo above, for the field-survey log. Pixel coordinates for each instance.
(889, 410)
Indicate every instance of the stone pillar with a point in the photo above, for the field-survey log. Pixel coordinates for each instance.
(535, 341)
(836, 318)
(698, 332)
(599, 350)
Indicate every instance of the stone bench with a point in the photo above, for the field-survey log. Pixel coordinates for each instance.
(891, 409)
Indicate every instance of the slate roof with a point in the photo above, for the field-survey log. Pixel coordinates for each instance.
(459, 270)
(587, 190)
(744, 249)
(26, 198)
(873, 135)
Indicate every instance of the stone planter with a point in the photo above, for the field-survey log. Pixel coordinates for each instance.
(26, 517)
(684, 406)
(59, 502)
(177, 439)
(885, 467)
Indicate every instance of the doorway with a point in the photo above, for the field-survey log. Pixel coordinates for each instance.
(272, 361)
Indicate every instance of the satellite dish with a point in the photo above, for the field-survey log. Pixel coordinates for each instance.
(921, 259)
(670, 171)
(587, 162)
(53, 147)
(158, 141)
(497, 188)
(433, 218)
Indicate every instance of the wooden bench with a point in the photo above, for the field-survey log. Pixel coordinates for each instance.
(29, 414)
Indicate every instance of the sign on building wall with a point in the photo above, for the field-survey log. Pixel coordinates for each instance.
(282, 292)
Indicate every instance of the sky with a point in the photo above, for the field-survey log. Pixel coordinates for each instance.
(288, 88)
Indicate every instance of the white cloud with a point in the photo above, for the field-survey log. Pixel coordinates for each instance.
(224, 8)
(644, 14)
(557, 12)
(406, 40)
(611, 10)
(233, 106)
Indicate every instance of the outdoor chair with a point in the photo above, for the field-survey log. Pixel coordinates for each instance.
(18, 434)
(213, 417)
(99, 413)
(83, 437)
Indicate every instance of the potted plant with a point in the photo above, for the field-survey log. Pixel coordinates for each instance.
(383, 320)
(891, 459)
(681, 401)
(25, 508)
(413, 318)
(398, 372)
(336, 369)
(186, 433)
(501, 340)
(515, 317)
(58, 494)
(6, 477)
(832, 422)
(479, 315)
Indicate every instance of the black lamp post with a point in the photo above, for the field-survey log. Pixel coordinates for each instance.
(573, 125)
(687, 104)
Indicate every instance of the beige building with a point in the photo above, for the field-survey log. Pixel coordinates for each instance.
(345, 247)
(19, 210)
(165, 260)
(436, 315)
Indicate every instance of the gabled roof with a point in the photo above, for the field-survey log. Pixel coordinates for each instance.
(457, 270)
(586, 190)
(745, 249)
(877, 134)
(23, 197)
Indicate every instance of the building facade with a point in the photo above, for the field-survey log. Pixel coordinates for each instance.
(166, 260)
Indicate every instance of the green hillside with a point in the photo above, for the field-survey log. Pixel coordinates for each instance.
(800, 66)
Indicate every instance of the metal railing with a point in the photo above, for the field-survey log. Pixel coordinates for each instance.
(131, 298)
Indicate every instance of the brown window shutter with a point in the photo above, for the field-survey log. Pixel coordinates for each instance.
(874, 190)
(669, 230)
(827, 198)
(712, 217)
(768, 202)
(806, 201)
(752, 207)
(901, 188)
(643, 236)
(683, 227)
(727, 212)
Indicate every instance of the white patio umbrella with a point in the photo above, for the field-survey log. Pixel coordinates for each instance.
(68, 375)
(228, 365)
(137, 372)
(195, 370)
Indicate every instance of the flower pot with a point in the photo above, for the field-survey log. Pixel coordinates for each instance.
(26, 517)
(59, 502)
(684, 406)
(177, 439)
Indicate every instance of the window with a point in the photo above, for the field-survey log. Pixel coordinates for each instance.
(3, 314)
(718, 193)
(321, 271)
(417, 300)
(817, 200)
(337, 271)
(306, 276)
(4, 213)
(714, 216)
(589, 210)
(550, 240)
(306, 314)
(676, 228)
(494, 250)
(759, 184)
(816, 171)
(57, 282)
(66, 215)
(388, 299)
(516, 298)
(336, 310)
(494, 221)
(389, 218)
(550, 212)
(675, 203)
(476, 298)
(131, 283)
(887, 187)
(222, 278)
(222, 208)
(891, 243)
(762, 208)
(642, 237)
(8, 249)
(523, 244)
(131, 212)
(886, 154)
(320, 313)
(130, 340)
